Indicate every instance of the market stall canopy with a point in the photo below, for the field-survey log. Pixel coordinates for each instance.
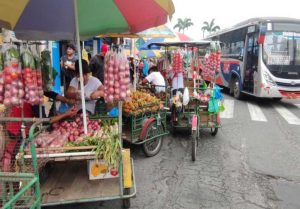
(181, 44)
(149, 53)
(178, 38)
(145, 46)
(157, 32)
(55, 19)
(161, 31)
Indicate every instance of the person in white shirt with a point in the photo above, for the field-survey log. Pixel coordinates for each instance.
(177, 83)
(156, 79)
(93, 88)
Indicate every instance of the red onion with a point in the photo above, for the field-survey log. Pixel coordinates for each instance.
(123, 95)
(116, 84)
(14, 91)
(110, 76)
(116, 97)
(111, 90)
(111, 83)
(110, 69)
(7, 102)
(14, 100)
(7, 94)
(123, 87)
(117, 91)
(110, 98)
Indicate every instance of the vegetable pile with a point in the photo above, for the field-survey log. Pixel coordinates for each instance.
(107, 142)
(32, 78)
(141, 102)
(11, 78)
(103, 135)
(116, 77)
(212, 60)
(177, 62)
(20, 77)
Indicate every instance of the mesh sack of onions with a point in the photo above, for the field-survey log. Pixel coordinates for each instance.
(32, 78)
(11, 77)
(116, 77)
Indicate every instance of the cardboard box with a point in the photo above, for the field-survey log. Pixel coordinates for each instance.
(99, 170)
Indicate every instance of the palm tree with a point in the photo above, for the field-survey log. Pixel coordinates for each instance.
(183, 24)
(210, 27)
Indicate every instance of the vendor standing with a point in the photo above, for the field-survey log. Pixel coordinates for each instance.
(67, 65)
(93, 88)
(177, 82)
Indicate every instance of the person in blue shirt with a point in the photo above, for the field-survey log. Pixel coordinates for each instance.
(146, 68)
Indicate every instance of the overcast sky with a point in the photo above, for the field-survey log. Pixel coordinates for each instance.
(230, 12)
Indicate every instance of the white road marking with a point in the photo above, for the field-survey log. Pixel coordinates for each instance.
(287, 115)
(229, 106)
(256, 113)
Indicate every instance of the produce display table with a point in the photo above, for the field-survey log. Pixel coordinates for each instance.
(66, 185)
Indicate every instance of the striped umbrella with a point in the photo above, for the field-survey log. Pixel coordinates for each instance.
(77, 19)
(56, 19)
(149, 53)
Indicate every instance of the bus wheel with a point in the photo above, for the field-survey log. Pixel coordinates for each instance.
(237, 88)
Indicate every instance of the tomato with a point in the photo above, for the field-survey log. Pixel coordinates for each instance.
(7, 70)
(15, 64)
(14, 75)
(19, 73)
(39, 82)
(113, 172)
(27, 70)
(8, 79)
(29, 81)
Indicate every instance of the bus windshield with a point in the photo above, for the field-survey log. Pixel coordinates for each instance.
(281, 54)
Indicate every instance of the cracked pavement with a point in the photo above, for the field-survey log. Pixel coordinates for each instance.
(247, 165)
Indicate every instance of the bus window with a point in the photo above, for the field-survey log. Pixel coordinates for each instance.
(281, 54)
(297, 57)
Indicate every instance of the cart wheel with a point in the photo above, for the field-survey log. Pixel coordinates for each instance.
(126, 202)
(194, 145)
(153, 146)
(214, 131)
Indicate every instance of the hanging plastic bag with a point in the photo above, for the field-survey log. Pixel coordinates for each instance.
(221, 106)
(186, 97)
(217, 93)
(114, 112)
(213, 105)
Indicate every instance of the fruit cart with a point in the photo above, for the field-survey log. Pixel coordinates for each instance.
(34, 175)
(144, 122)
(19, 188)
(195, 114)
(75, 171)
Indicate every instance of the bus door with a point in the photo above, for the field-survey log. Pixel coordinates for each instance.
(250, 62)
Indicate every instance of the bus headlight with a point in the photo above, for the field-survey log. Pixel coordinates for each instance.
(269, 79)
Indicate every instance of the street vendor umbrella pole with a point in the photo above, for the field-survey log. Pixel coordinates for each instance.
(80, 69)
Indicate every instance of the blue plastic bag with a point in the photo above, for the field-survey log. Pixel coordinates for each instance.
(217, 93)
(114, 112)
(63, 107)
(213, 105)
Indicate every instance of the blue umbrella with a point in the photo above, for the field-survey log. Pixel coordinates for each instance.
(150, 41)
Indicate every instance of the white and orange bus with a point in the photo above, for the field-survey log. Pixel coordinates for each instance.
(261, 57)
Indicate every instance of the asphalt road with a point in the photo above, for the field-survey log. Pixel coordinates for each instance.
(253, 162)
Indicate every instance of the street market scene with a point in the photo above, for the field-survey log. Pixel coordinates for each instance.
(149, 104)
